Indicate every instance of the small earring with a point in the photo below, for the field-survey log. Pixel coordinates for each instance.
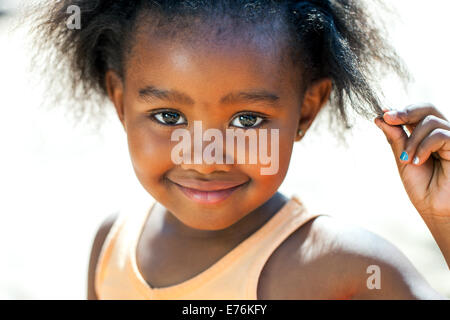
(300, 132)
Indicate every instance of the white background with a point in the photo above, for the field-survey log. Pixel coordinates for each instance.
(58, 183)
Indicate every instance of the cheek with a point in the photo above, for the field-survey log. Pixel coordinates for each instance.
(149, 152)
(278, 151)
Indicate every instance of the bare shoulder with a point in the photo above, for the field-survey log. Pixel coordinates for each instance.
(97, 245)
(358, 256)
(328, 258)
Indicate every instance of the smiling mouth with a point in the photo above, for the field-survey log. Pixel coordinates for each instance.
(212, 196)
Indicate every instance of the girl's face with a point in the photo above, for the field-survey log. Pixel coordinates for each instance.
(168, 85)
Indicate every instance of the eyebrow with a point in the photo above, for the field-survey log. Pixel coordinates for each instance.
(250, 96)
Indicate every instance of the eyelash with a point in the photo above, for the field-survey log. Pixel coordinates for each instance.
(153, 115)
(263, 119)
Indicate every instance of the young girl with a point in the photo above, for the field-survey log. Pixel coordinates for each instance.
(220, 229)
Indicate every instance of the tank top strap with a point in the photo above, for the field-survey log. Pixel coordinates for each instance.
(115, 276)
(292, 216)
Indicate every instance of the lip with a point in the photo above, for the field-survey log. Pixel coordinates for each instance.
(208, 192)
(213, 185)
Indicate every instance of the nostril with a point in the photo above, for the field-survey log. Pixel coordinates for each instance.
(205, 170)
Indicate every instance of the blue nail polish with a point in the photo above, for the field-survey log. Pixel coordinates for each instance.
(404, 156)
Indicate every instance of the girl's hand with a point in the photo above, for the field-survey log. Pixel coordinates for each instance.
(423, 158)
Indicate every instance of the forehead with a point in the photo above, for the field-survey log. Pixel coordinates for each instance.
(206, 63)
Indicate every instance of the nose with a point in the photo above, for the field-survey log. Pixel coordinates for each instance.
(208, 150)
(206, 169)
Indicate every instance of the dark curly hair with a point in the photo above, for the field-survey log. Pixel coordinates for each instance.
(338, 39)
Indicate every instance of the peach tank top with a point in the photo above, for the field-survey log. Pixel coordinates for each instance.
(234, 276)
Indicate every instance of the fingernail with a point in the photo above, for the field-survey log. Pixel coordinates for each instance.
(392, 114)
(416, 160)
(404, 156)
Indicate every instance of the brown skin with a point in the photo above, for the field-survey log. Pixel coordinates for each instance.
(426, 180)
(165, 65)
(334, 268)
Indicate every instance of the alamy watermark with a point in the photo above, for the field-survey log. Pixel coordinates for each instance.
(374, 281)
(213, 152)
(73, 22)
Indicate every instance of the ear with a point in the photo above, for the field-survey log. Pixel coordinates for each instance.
(114, 87)
(315, 97)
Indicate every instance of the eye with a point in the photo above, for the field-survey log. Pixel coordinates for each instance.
(170, 118)
(247, 120)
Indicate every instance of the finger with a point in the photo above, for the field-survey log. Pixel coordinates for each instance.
(421, 131)
(437, 141)
(396, 137)
(412, 114)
